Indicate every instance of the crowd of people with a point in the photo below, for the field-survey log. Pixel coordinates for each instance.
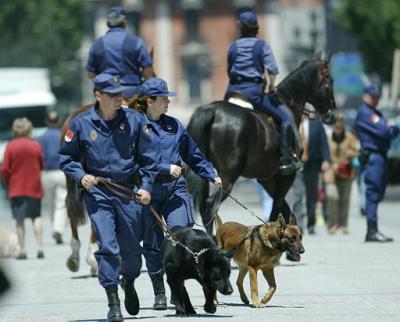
(144, 150)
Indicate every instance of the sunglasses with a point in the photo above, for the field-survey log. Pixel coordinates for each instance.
(112, 94)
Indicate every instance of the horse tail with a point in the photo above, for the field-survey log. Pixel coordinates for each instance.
(200, 125)
(199, 128)
(74, 204)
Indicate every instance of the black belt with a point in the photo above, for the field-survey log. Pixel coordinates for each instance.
(243, 79)
(161, 178)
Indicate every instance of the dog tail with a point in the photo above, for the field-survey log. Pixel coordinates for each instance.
(217, 221)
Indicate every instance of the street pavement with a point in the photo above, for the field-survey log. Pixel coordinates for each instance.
(339, 278)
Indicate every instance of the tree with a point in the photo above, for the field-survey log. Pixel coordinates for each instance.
(44, 33)
(376, 25)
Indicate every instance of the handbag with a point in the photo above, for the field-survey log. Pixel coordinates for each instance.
(344, 171)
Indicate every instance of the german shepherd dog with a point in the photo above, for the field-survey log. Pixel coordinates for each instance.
(211, 269)
(259, 248)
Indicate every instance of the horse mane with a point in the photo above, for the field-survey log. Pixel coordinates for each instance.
(300, 75)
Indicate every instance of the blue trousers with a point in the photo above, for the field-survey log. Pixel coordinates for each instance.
(174, 203)
(375, 173)
(262, 102)
(117, 226)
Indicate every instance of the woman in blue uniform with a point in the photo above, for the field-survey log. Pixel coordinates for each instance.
(170, 197)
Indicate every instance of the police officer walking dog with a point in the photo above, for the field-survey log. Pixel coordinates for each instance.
(120, 53)
(114, 143)
(375, 135)
(170, 197)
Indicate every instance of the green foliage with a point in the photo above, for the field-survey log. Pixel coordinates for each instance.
(44, 33)
(376, 25)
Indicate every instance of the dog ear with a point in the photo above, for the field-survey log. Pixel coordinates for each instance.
(293, 220)
(281, 221)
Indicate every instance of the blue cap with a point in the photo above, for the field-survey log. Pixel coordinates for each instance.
(116, 16)
(155, 87)
(107, 83)
(248, 18)
(373, 90)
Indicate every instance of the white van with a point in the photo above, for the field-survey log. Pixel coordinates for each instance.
(23, 92)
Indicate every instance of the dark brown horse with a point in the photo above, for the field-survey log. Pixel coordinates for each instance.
(239, 142)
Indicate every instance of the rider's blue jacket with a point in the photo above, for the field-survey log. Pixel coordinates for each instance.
(119, 53)
(114, 149)
(249, 57)
(176, 146)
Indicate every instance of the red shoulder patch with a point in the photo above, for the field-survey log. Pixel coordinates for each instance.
(69, 135)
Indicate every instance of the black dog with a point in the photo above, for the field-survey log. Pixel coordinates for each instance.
(212, 268)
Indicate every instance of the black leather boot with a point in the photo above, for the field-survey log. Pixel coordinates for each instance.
(287, 164)
(160, 300)
(373, 235)
(131, 298)
(114, 314)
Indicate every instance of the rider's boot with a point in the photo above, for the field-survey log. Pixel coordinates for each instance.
(131, 298)
(114, 314)
(287, 164)
(160, 300)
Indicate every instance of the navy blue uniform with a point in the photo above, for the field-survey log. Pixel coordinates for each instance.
(119, 53)
(115, 150)
(375, 136)
(248, 58)
(50, 142)
(170, 197)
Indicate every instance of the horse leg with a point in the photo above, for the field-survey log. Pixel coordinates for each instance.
(73, 259)
(278, 188)
(90, 258)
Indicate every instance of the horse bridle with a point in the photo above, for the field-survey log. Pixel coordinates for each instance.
(325, 80)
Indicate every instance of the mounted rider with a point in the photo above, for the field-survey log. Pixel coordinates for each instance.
(121, 54)
(249, 58)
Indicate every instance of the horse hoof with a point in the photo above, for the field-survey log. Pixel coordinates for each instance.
(73, 263)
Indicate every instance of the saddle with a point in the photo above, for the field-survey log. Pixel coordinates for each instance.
(241, 100)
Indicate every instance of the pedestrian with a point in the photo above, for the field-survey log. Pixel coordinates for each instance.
(339, 177)
(22, 165)
(117, 144)
(317, 162)
(249, 60)
(54, 182)
(375, 136)
(170, 197)
(121, 54)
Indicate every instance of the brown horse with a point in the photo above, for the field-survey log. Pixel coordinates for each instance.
(239, 142)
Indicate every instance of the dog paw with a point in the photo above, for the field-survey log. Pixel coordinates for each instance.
(191, 311)
(257, 305)
(210, 308)
(181, 314)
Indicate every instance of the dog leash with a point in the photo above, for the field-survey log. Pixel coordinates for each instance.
(128, 194)
(251, 212)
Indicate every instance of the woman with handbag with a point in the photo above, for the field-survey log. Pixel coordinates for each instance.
(339, 177)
